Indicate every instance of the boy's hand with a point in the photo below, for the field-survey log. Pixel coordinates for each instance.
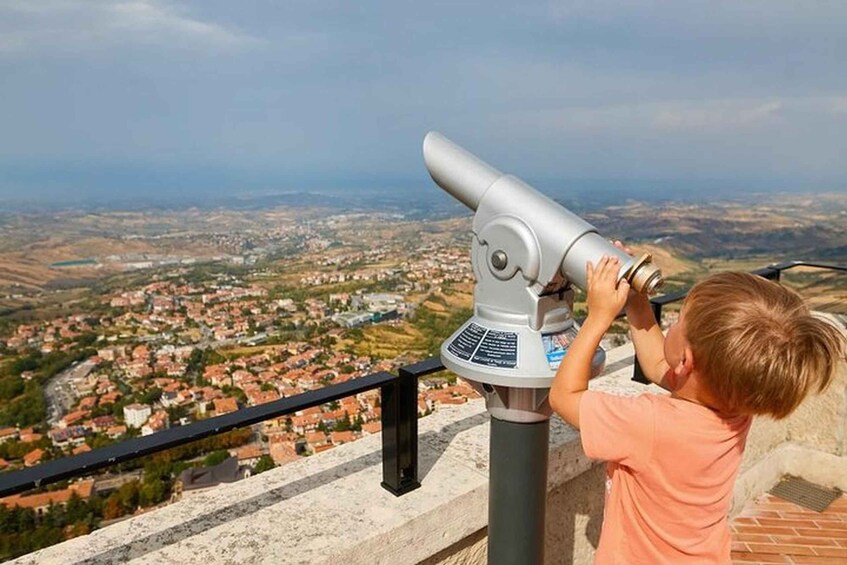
(606, 296)
(634, 296)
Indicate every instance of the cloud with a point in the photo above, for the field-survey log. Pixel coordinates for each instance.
(715, 115)
(63, 26)
(838, 105)
(681, 116)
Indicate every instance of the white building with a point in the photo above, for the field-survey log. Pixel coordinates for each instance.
(136, 414)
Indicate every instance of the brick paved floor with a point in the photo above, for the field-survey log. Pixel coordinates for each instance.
(772, 530)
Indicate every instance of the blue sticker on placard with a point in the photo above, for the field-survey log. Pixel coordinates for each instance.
(556, 346)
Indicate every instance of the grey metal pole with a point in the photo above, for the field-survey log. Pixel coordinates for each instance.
(517, 495)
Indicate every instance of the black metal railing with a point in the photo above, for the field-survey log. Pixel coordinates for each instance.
(399, 418)
(771, 272)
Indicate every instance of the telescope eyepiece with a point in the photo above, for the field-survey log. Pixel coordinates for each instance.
(644, 276)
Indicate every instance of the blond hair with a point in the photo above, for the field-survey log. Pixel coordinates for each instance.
(757, 345)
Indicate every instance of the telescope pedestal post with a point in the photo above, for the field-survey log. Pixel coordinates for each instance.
(517, 495)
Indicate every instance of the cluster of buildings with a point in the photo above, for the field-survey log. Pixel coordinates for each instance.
(147, 374)
(278, 372)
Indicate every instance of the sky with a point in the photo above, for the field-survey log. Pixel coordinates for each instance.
(209, 97)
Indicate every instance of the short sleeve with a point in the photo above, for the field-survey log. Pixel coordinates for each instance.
(619, 429)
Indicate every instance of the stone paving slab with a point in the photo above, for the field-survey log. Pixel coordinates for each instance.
(773, 530)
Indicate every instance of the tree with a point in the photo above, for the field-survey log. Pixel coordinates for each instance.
(152, 492)
(79, 529)
(25, 410)
(216, 458)
(176, 413)
(344, 423)
(113, 507)
(99, 440)
(196, 361)
(128, 496)
(151, 395)
(10, 387)
(75, 510)
(265, 463)
(27, 363)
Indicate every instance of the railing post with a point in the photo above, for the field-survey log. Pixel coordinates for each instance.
(400, 434)
(637, 373)
(771, 273)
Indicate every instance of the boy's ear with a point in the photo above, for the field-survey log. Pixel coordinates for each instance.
(686, 364)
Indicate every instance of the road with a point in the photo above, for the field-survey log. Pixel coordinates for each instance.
(59, 391)
(108, 483)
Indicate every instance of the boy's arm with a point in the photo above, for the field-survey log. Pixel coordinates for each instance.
(606, 297)
(574, 371)
(647, 337)
(648, 340)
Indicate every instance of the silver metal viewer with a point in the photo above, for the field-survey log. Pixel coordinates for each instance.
(528, 252)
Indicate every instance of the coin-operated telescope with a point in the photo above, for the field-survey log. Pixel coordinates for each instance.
(528, 252)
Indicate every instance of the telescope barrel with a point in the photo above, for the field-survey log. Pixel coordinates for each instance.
(457, 171)
(555, 228)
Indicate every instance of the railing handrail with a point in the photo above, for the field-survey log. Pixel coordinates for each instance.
(14, 482)
(771, 272)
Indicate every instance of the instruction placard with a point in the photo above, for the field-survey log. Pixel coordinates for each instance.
(464, 345)
(481, 346)
(498, 349)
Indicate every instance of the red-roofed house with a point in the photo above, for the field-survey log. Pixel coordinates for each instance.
(342, 437)
(305, 423)
(28, 436)
(116, 431)
(247, 455)
(84, 448)
(218, 376)
(7, 434)
(157, 422)
(262, 396)
(88, 403)
(316, 438)
(42, 501)
(102, 423)
(225, 406)
(283, 452)
(33, 457)
(73, 419)
(110, 398)
(372, 427)
(141, 353)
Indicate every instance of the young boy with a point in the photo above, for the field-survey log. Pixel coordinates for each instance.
(742, 346)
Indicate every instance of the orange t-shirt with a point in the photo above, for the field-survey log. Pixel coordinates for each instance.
(670, 477)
